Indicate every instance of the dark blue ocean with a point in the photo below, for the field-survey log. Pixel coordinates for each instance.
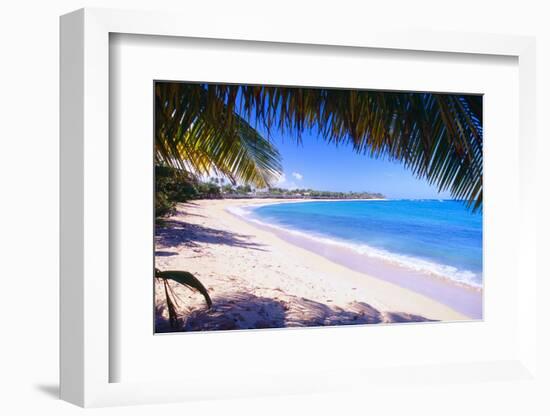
(440, 237)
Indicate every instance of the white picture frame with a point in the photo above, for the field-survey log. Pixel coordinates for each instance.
(85, 217)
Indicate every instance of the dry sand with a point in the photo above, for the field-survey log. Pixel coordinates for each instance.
(257, 280)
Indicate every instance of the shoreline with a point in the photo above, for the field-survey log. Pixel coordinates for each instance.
(258, 279)
(394, 261)
(463, 297)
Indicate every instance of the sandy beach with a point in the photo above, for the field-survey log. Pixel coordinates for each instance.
(257, 279)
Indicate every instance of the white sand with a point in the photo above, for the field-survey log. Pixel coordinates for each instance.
(257, 280)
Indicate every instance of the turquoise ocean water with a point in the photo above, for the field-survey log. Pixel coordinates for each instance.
(439, 237)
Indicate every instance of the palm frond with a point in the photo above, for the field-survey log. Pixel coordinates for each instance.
(172, 313)
(199, 133)
(439, 137)
(186, 279)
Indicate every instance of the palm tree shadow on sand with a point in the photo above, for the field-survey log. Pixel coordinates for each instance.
(243, 310)
(174, 233)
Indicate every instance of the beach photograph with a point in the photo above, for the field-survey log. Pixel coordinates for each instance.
(289, 207)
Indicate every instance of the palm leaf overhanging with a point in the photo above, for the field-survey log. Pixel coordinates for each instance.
(201, 135)
(206, 126)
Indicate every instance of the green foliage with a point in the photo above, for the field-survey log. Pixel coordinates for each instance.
(226, 189)
(312, 193)
(164, 206)
(243, 189)
(208, 190)
(171, 186)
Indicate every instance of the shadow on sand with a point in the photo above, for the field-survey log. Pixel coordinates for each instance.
(175, 233)
(246, 311)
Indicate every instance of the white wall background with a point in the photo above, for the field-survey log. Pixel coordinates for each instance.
(29, 205)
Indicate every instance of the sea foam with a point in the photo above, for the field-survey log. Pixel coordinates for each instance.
(451, 273)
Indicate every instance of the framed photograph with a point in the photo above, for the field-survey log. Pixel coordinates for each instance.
(310, 202)
(254, 214)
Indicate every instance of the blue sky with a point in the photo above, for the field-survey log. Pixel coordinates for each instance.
(323, 166)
